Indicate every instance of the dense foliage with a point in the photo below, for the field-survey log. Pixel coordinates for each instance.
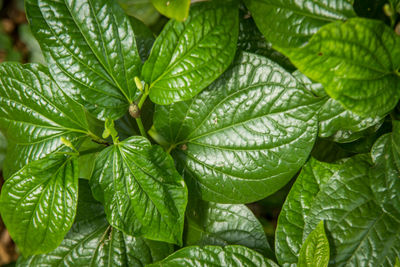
(128, 149)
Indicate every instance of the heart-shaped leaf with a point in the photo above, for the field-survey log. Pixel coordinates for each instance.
(38, 203)
(188, 56)
(93, 242)
(91, 51)
(35, 114)
(246, 135)
(290, 23)
(357, 62)
(142, 192)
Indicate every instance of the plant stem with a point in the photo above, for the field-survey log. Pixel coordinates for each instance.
(144, 96)
(98, 139)
(141, 127)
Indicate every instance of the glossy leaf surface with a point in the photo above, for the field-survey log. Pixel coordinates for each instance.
(142, 192)
(333, 119)
(93, 242)
(207, 256)
(357, 62)
(177, 9)
(35, 114)
(290, 23)
(188, 56)
(91, 50)
(353, 219)
(210, 223)
(246, 135)
(385, 176)
(315, 250)
(38, 203)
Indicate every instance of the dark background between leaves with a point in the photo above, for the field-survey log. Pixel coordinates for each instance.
(18, 44)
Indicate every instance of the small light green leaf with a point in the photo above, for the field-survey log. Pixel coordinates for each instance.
(315, 250)
(397, 264)
(188, 56)
(92, 242)
(142, 192)
(35, 114)
(175, 9)
(334, 120)
(357, 62)
(38, 203)
(385, 175)
(91, 51)
(246, 135)
(210, 256)
(291, 23)
(210, 223)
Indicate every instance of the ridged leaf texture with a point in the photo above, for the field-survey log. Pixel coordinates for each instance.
(207, 256)
(334, 121)
(188, 56)
(385, 175)
(315, 250)
(357, 62)
(142, 192)
(35, 114)
(93, 242)
(38, 203)
(360, 232)
(91, 51)
(246, 135)
(291, 23)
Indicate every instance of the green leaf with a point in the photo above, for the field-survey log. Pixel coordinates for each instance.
(246, 135)
(210, 256)
(250, 39)
(210, 223)
(176, 9)
(142, 192)
(315, 250)
(91, 51)
(35, 114)
(92, 242)
(333, 119)
(141, 9)
(357, 62)
(385, 176)
(188, 56)
(38, 203)
(291, 23)
(3, 149)
(289, 232)
(360, 232)
(397, 264)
